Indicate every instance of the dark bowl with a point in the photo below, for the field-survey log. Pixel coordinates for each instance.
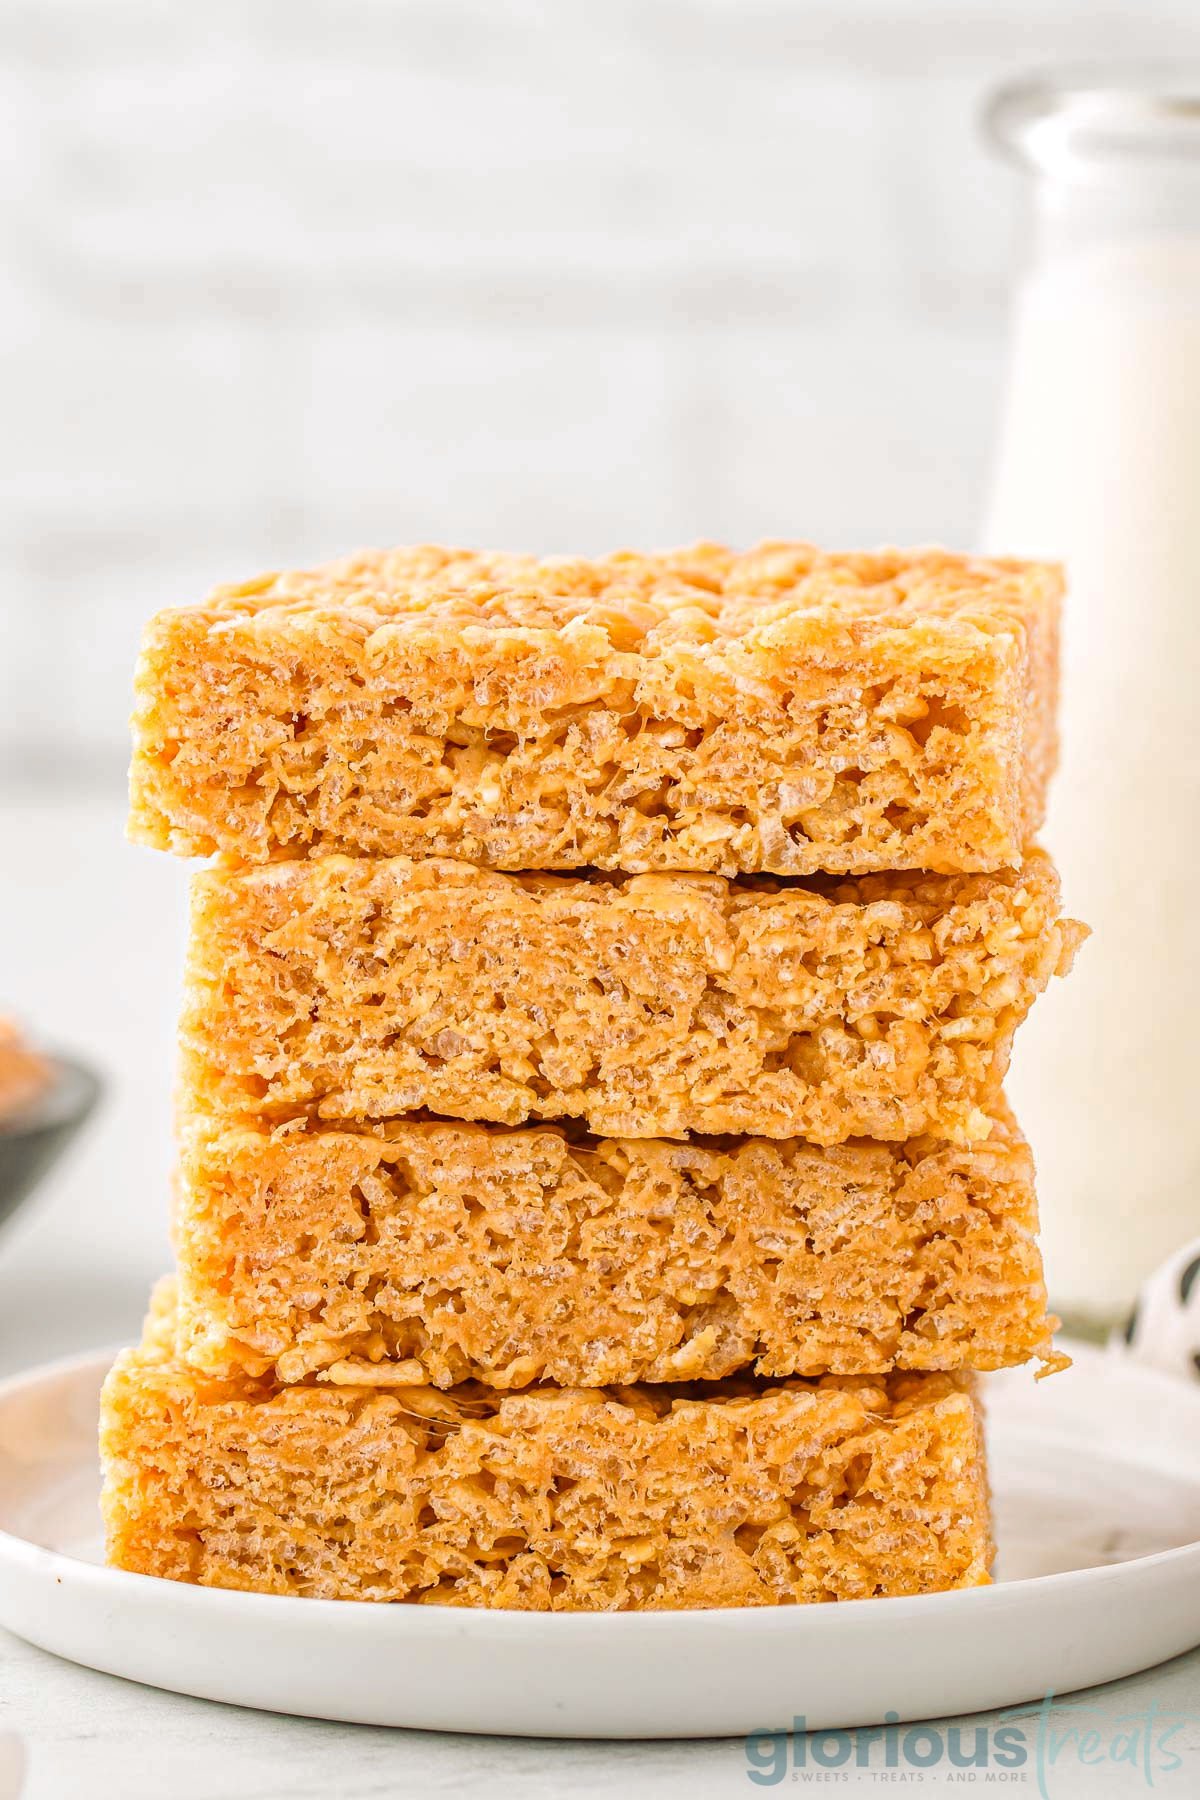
(34, 1137)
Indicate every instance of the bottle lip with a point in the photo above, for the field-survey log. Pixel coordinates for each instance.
(1065, 121)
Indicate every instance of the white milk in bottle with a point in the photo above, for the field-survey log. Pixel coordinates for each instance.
(1099, 465)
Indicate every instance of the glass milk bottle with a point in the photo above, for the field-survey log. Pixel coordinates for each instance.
(1099, 466)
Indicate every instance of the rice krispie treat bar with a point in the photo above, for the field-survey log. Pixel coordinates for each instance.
(554, 1499)
(652, 1005)
(426, 1252)
(783, 710)
(24, 1074)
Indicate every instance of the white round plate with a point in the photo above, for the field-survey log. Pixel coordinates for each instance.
(1097, 1488)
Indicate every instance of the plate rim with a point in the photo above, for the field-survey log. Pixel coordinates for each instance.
(61, 1567)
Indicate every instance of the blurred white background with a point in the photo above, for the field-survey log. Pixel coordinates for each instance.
(285, 277)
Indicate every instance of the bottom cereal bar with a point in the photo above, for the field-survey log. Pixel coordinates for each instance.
(740, 1494)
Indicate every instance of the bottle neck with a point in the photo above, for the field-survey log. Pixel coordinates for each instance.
(1118, 206)
(1112, 157)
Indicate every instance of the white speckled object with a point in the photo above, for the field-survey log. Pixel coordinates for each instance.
(1163, 1330)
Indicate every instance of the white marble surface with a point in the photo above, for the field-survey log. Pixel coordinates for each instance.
(92, 934)
(88, 1735)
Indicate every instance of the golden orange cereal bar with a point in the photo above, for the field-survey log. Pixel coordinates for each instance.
(427, 1252)
(24, 1073)
(651, 1005)
(554, 1499)
(783, 710)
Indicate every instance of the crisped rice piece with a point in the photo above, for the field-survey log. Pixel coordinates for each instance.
(431, 1252)
(784, 710)
(651, 1005)
(554, 1499)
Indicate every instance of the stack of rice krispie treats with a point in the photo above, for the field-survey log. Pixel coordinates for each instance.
(595, 1187)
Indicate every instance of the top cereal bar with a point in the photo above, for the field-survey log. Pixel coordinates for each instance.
(784, 711)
